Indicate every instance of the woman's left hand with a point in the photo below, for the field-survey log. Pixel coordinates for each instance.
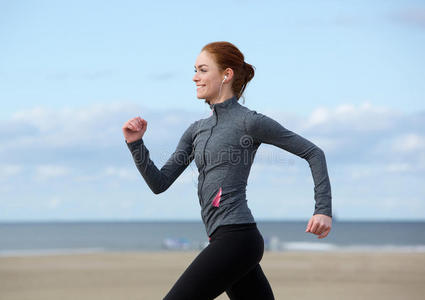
(319, 224)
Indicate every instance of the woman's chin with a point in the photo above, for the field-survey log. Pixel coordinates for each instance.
(203, 96)
(200, 96)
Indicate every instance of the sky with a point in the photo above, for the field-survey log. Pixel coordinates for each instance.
(347, 75)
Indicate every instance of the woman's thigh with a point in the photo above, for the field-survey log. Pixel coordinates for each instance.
(254, 285)
(224, 261)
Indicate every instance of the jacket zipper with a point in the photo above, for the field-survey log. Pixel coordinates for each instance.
(205, 146)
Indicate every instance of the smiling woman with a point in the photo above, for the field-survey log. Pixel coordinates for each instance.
(223, 147)
(218, 60)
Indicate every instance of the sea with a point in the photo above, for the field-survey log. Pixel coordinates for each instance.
(53, 238)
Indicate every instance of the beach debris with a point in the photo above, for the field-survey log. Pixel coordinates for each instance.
(176, 243)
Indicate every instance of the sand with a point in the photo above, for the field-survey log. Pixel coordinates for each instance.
(149, 275)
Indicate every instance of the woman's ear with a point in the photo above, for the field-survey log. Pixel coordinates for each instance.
(229, 73)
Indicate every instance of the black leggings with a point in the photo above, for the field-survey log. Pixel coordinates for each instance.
(230, 263)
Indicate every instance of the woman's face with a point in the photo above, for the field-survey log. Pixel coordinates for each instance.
(207, 77)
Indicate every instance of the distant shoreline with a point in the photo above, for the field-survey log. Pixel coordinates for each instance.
(83, 251)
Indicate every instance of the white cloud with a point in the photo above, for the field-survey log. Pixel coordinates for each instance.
(409, 142)
(70, 127)
(122, 173)
(98, 125)
(347, 133)
(360, 171)
(398, 167)
(379, 170)
(85, 146)
(48, 171)
(364, 117)
(9, 170)
(319, 116)
(111, 172)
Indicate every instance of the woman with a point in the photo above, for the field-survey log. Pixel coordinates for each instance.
(223, 147)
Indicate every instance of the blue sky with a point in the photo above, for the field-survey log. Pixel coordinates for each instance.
(346, 75)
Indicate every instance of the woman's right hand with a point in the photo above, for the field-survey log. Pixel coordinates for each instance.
(134, 129)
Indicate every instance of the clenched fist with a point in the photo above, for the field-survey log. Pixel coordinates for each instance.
(134, 129)
(320, 225)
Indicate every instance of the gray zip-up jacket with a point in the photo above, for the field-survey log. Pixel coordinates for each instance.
(223, 147)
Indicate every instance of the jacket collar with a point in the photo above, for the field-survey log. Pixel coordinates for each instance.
(225, 104)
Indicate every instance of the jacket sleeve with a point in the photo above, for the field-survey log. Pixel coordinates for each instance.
(264, 129)
(160, 180)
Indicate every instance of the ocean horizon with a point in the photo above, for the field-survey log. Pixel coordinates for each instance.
(26, 238)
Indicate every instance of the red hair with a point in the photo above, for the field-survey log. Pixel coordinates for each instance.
(227, 55)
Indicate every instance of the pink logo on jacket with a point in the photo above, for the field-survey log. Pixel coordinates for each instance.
(216, 201)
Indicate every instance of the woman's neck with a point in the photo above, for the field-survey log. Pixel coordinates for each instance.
(223, 97)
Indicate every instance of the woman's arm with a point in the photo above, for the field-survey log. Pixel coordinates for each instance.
(264, 129)
(160, 180)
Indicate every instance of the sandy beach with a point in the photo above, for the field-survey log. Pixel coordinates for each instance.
(149, 275)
